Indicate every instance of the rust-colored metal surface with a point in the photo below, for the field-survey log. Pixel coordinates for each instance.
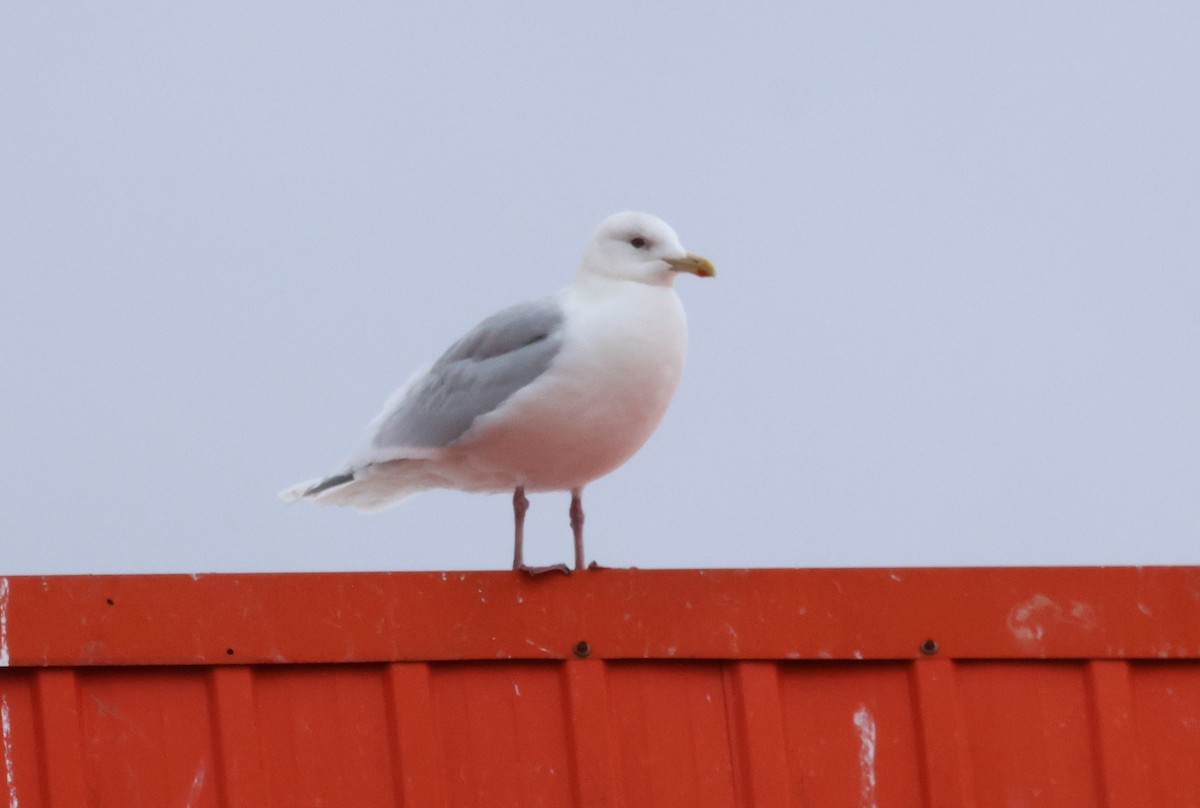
(1052, 687)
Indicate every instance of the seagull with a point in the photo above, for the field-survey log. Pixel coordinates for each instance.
(542, 396)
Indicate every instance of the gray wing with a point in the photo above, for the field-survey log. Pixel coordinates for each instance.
(477, 374)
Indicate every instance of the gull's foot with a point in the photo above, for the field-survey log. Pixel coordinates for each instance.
(532, 571)
(594, 566)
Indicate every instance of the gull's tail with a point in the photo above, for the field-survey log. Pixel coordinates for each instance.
(370, 488)
(314, 488)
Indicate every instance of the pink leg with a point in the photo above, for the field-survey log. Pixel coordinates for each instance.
(577, 524)
(520, 505)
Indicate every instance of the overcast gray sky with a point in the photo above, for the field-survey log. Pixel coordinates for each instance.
(957, 318)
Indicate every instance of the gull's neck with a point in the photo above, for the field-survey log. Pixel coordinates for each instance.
(587, 276)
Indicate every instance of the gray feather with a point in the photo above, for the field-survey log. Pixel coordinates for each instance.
(329, 482)
(477, 374)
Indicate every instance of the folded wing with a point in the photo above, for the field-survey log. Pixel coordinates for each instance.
(476, 375)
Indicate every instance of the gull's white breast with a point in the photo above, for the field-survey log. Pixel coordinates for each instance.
(604, 394)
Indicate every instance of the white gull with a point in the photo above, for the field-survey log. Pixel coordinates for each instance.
(543, 396)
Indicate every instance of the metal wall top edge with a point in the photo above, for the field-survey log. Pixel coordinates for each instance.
(775, 614)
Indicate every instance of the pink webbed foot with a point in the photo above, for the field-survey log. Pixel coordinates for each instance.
(532, 571)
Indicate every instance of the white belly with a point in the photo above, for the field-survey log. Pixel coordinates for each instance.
(601, 399)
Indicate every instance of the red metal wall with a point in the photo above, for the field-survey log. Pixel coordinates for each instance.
(1048, 687)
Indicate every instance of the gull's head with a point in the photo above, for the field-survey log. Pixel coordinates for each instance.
(639, 247)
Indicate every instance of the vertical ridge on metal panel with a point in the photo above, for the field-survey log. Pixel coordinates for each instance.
(945, 763)
(671, 721)
(589, 731)
(21, 771)
(756, 734)
(60, 737)
(416, 746)
(1122, 783)
(243, 782)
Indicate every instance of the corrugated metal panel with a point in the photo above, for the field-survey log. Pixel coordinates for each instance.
(1049, 687)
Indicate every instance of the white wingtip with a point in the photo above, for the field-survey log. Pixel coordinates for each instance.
(378, 488)
(297, 491)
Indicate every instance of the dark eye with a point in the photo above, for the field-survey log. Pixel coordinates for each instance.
(638, 242)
